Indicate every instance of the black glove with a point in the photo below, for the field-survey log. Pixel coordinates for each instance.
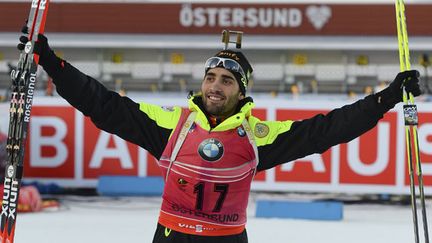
(392, 95)
(41, 47)
(23, 39)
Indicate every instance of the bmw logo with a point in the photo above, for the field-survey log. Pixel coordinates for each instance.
(211, 149)
(241, 132)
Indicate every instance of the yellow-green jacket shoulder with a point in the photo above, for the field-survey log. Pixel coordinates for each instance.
(265, 132)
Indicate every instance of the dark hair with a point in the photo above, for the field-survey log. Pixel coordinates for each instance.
(244, 63)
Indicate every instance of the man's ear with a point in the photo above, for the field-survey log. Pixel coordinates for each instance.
(241, 96)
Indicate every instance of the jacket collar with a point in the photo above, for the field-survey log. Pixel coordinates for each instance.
(244, 110)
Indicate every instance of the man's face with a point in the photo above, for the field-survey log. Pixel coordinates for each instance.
(221, 92)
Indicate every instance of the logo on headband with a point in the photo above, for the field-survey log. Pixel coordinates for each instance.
(230, 55)
(244, 82)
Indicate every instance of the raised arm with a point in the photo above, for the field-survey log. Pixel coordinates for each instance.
(107, 109)
(294, 140)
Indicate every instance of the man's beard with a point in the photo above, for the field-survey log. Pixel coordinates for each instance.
(213, 109)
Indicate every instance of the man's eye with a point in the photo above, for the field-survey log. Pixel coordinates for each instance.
(227, 81)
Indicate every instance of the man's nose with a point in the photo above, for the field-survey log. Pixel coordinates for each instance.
(216, 85)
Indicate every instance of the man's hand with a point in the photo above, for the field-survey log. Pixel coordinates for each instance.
(41, 46)
(393, 94)
(409, 79)
(47, 58)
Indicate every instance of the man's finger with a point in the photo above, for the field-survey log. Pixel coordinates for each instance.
(23, 39)
(24, 29)
(20, 46)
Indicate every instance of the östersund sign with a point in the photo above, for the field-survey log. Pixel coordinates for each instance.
(253, 17)
(263, 19)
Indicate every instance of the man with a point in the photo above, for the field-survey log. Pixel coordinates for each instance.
(210, 152)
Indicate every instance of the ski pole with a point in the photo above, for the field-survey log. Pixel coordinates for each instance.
(411, 122)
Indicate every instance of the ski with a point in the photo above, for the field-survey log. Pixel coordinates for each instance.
(22, 91)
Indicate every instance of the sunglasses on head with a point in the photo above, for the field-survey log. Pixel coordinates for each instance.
(226, 63)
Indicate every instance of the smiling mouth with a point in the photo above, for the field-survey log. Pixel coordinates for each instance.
(214, 98)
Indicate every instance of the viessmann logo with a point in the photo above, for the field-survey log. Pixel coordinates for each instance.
(253, 17)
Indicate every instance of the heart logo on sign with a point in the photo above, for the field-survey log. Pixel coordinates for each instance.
(318, 15)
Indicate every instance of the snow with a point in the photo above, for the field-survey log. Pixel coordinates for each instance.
(109, 220)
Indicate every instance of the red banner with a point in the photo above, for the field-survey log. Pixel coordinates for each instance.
(65, 147)
(255, 19)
